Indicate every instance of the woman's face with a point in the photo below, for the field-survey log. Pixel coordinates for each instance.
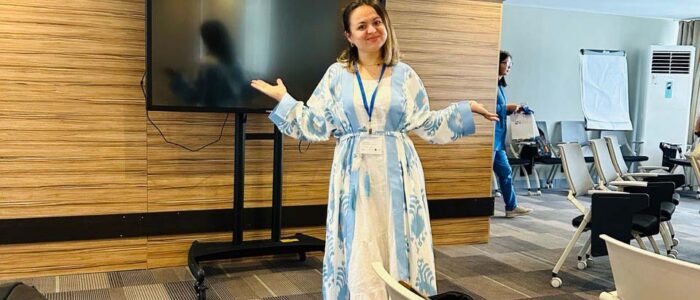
(504, 67)
(367, 31)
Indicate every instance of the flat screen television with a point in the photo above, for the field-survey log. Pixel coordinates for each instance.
(202, 54)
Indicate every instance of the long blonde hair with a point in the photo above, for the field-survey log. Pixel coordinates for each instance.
(390, 50)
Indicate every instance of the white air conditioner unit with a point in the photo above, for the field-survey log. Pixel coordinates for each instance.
(664, 108)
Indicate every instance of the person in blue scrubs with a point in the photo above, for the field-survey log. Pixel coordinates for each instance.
(501, 167)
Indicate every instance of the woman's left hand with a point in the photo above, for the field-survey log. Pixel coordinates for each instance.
(480, 109)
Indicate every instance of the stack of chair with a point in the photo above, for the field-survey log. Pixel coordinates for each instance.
(668, 206)
(624, 214)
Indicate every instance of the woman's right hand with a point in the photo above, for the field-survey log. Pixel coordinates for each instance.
(276, 92)
(479, 108)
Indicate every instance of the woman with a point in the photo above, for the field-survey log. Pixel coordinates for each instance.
(377, 209)
(500, 160)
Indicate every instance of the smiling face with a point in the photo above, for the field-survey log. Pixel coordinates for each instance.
(367, 30)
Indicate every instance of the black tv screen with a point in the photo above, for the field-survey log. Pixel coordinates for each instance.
(202, 54)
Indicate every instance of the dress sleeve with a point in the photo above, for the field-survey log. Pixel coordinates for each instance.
(311, 121)
(440, 126)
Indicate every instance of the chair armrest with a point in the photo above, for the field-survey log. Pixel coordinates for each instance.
(513, 152)
(689, 156)
(633, 151)
(653, 168)
(608, 296)
(642, 175)
(636, 145)
(591, 192)
(620, 183)
(553, 149)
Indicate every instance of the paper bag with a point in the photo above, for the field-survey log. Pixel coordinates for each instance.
(523, 127)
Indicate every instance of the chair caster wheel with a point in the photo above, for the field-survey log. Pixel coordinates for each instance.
(497, 195)
(676, 242)
(671, 255)
(539, 193)
(556, 282)
(581, 265)
(673, 252)
(531, 193)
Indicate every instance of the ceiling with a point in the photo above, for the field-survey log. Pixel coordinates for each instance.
(664, 9)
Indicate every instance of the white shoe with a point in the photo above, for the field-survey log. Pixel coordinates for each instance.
(518, 211)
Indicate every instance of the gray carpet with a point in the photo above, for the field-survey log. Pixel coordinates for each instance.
(515, 264)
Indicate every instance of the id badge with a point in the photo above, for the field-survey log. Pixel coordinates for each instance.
(372, 146)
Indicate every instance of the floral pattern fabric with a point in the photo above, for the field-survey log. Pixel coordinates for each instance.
(377, 205)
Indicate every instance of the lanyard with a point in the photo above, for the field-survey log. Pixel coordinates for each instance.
(369, 108)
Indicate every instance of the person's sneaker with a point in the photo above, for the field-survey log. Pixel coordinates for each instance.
(518, 211)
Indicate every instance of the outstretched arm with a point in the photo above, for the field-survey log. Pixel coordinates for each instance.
(311, 122)
(445, 125)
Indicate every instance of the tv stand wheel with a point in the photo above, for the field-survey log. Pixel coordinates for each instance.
(199, 288)
(302, 256)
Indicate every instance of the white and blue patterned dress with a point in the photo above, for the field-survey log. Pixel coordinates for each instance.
(377, 206)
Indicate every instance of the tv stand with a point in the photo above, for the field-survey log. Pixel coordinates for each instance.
(298, 243)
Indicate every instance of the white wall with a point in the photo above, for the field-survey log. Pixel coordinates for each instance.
(545, 45)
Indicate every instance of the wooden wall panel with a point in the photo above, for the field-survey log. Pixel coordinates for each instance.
(30, 260)
(179, 179)
(72, 114)
(461, 231)
(183, 180)
(168, 251)
(453, 45)
(72, 127)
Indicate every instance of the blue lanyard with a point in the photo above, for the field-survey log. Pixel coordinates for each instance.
(369, 108)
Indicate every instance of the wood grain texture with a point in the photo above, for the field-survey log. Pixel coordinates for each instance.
(453, 46)
(461, 231)
(168, 251)
(31, 260)
(71, 119)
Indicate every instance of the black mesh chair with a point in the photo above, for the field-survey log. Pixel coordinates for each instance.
(670, 159)
(545, 154)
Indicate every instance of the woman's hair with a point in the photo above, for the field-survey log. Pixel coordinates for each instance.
(390, 49)
(502, 58)
(216, 39)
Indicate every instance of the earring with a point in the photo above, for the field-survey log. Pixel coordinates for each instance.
(352, 45)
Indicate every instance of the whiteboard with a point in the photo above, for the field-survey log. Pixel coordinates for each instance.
(604, 95)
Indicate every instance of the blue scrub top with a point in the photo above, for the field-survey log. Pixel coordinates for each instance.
(499, 142)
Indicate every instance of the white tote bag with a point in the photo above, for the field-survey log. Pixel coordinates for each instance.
(523, 127)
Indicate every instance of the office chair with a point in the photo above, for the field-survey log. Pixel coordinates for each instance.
(607, 175)
(642, 275)
(624, 214)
